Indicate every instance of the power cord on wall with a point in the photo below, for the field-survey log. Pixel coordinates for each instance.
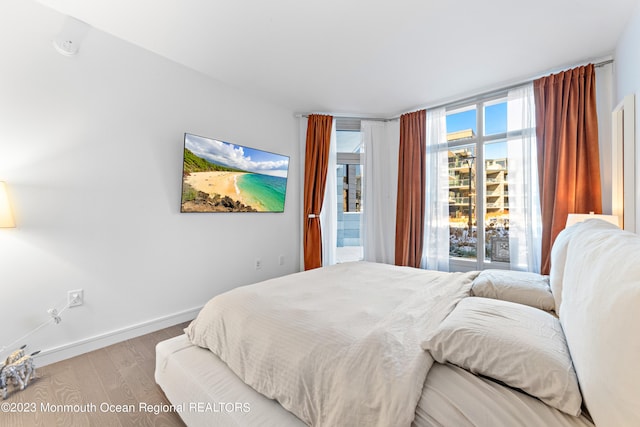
(55, 317)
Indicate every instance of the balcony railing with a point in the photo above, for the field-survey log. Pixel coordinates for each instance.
(458, 200)
(459, 183)
(459, 164)
(498, 205)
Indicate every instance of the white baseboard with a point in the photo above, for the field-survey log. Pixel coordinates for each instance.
(77, 348)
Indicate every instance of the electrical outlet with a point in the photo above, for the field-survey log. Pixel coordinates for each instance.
(258, 263)
(75, 298)
(281, 260)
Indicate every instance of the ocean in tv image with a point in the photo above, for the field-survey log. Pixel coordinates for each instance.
(265, 190)
(222, 177)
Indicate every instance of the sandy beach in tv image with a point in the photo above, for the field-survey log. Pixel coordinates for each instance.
(222, 177)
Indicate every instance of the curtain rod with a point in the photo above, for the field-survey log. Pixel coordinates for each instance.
(344, 116)
(603, 63)
(600, 63)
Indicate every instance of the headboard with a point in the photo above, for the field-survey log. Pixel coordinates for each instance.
(600, 315)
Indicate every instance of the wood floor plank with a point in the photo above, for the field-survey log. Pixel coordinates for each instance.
(121, 374)
(65, 391)
(117, 388)
(140, 381)
(93, 390)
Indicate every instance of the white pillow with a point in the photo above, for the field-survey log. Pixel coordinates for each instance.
(516, 286)
(518, 345)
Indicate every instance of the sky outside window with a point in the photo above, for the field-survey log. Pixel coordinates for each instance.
(462, 120)
(495, 118)
(348, 141)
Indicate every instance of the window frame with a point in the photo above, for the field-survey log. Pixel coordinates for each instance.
(351, 158)
(478, 142)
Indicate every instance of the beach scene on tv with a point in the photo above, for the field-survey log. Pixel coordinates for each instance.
(218, 176)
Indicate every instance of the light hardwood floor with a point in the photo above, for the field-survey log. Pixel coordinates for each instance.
(121, 374)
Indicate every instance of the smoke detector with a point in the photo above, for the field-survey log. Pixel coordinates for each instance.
(65, 47)
(71, 35)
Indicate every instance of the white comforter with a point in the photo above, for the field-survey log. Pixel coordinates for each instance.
(338, 346)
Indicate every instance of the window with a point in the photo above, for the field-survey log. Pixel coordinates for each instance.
(349, 200)
(478, 184)
(351, 174)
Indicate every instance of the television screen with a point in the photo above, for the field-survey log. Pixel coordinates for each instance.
(218, 176)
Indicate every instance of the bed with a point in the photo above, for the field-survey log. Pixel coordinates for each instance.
(376, 345)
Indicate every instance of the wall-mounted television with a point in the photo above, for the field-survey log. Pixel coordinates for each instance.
(219, 176)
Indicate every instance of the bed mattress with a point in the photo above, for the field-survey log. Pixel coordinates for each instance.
(192, 377)
(206, 392)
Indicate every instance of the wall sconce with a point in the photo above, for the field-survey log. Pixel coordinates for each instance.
(576, 218)
(6, 215)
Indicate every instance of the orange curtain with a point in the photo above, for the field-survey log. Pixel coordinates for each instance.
(411, 189)
(315, 177)
(568, 156)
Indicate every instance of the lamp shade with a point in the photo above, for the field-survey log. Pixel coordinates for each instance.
(576, 218)
(6, 216)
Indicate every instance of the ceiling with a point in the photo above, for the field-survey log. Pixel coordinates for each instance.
(364, 57)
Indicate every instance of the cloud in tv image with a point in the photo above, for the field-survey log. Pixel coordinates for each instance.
(218, 176)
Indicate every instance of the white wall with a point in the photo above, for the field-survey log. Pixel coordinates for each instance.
(604, 100)
(627, 77)
(91, 148)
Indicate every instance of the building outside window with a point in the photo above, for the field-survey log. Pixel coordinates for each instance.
(351, 175)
